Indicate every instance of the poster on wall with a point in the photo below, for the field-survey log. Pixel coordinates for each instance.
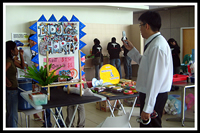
(22, 37)
(62, 41)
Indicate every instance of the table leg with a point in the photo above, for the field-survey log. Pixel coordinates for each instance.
(111, 109)
(60, 116)
(73, 116)
(28, 121)
(54, 116)
(122, 106)
(132, 108)
(45, 117)
(183, 106)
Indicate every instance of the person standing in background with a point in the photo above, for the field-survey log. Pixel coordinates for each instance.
(28, 53)
(97, 52)
(28, 56)
(175, 55)
(11, 83)
(127, 64)
(175, 49)
(114, 49)
(155, 71)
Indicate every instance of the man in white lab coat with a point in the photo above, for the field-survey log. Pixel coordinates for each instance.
(155, 71)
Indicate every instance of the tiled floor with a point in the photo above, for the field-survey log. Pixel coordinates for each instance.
(94, 117)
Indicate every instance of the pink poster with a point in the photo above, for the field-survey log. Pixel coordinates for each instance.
(67, 62)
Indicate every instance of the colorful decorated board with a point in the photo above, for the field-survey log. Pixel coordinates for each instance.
(62, 41)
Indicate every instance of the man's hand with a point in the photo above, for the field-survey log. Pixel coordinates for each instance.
(145, 116)
(129, 46)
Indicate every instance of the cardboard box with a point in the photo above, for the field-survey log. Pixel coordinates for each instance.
(104, 105)
(105, 109)
(98, 105)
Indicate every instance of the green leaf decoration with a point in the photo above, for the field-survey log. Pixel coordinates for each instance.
(41, 74)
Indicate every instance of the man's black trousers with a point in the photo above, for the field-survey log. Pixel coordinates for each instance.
(159, 106)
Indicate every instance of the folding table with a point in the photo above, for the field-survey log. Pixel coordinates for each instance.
(60, 98)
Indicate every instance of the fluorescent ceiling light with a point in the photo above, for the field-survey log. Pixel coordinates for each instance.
(129, 6)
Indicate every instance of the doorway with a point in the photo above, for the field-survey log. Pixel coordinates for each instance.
(187, 41)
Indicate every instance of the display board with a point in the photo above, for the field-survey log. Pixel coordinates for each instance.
(62, 41)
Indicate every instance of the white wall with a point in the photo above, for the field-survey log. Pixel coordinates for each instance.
(18, 17)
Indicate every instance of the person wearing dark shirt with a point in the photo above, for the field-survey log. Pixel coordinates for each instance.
(175, 49)
(114, 49)
(11, 82)
(97, 52)
(127, 64)
(175, 55)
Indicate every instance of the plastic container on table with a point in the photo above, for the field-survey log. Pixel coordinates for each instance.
(26, 85)
(38, 98)
(117, 89)
(179, 77)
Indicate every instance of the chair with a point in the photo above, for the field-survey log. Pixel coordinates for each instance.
(114, 122)
(28, 113)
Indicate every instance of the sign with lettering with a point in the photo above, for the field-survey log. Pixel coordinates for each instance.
(61, 39)
(67, 62)
(58, 37)
(109, 73)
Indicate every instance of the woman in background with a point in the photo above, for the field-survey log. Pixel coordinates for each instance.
(175, 55)
(11, 83)
(175, 49)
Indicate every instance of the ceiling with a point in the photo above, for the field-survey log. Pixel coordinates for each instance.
(134, 7)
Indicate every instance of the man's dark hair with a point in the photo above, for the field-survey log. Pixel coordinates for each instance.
(113, 40)
(152, 18)
(96, 41)
(10, 45)
(172, 40)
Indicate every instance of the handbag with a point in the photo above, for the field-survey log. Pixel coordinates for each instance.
(96, 61)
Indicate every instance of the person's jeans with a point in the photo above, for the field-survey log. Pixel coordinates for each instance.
(127, 67)
(11, 108)
(117, 62)
(97, 67)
